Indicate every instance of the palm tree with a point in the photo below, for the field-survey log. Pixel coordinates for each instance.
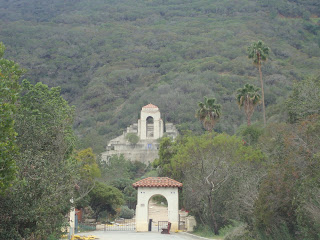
(248, 97)
(259, 52)
(208, 113)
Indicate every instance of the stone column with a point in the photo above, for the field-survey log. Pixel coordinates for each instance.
(142, 211)
(173, 208)
(143, 128)
(156, 129)
(72, 221)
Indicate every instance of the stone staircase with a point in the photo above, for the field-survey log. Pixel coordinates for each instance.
(150, 130)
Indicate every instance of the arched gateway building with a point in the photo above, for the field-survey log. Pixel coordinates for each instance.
(151, 186)
(149, 129)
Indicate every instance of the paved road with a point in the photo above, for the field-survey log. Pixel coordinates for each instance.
(128, 235)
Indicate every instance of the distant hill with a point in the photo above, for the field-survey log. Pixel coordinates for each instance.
(111, 57)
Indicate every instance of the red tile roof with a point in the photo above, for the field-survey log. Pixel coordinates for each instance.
(150, 106)
(157, 182)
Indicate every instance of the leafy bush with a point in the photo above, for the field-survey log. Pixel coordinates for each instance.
(104, 130)
(132, 138)
(203, 231)
(281, 232)
(159, 199)
(250, 134)
(52, 237)
(126, 212)
(101, 117)
(239, 233)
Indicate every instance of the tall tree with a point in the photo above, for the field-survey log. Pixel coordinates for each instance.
(288, 204)
(208, 113)
(36, 205)
(304, 99)
(9, 88)
(212, 170)
(168, 148)
(259, 52)
(88, 172)
(248, 97)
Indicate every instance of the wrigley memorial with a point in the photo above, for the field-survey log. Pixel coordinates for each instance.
(149, 129)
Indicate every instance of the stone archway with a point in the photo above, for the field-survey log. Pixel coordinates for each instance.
(150, 127)
(150, 112)
(157, 212)
(151, 186)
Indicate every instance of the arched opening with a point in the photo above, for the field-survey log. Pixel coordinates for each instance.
(150, 127)
(158, 212)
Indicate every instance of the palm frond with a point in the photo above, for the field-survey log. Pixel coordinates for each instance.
(208, 112)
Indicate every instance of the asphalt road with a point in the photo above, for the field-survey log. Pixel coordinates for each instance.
(131, 235)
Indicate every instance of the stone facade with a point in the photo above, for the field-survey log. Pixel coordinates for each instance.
(149, 129)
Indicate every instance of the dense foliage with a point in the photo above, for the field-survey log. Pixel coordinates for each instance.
(121, 173)
(105, 198)
(88, 171)
(266, 180)
(112, 57)
(126, 212)
(37, 202)
(304, 99)
(9, 88)
(40, 171)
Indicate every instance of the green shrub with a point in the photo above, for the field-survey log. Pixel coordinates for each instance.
(103, 116)
(279, 232)
(159, 199)
(250, 134)
(240, 232)
(126, 212)
(203, 231)
(132, 138)
(52, 237)
(104, 130)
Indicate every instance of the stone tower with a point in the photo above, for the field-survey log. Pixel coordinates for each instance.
(149, 129)
(150, 124)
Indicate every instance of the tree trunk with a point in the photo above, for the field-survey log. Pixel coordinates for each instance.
(248, 110)
(248, 121)
(262, 91)
(214, 221)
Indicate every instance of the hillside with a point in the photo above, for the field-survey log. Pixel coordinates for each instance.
(111, 57)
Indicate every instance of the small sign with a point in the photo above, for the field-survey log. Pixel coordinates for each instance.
(142, 205)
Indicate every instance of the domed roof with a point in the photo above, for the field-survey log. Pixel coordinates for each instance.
(150, 106)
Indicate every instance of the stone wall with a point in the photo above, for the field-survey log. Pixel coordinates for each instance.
(141, 155)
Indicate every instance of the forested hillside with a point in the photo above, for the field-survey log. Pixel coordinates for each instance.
(111, 57)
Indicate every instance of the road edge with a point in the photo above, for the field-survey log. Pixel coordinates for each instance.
(193, 235)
